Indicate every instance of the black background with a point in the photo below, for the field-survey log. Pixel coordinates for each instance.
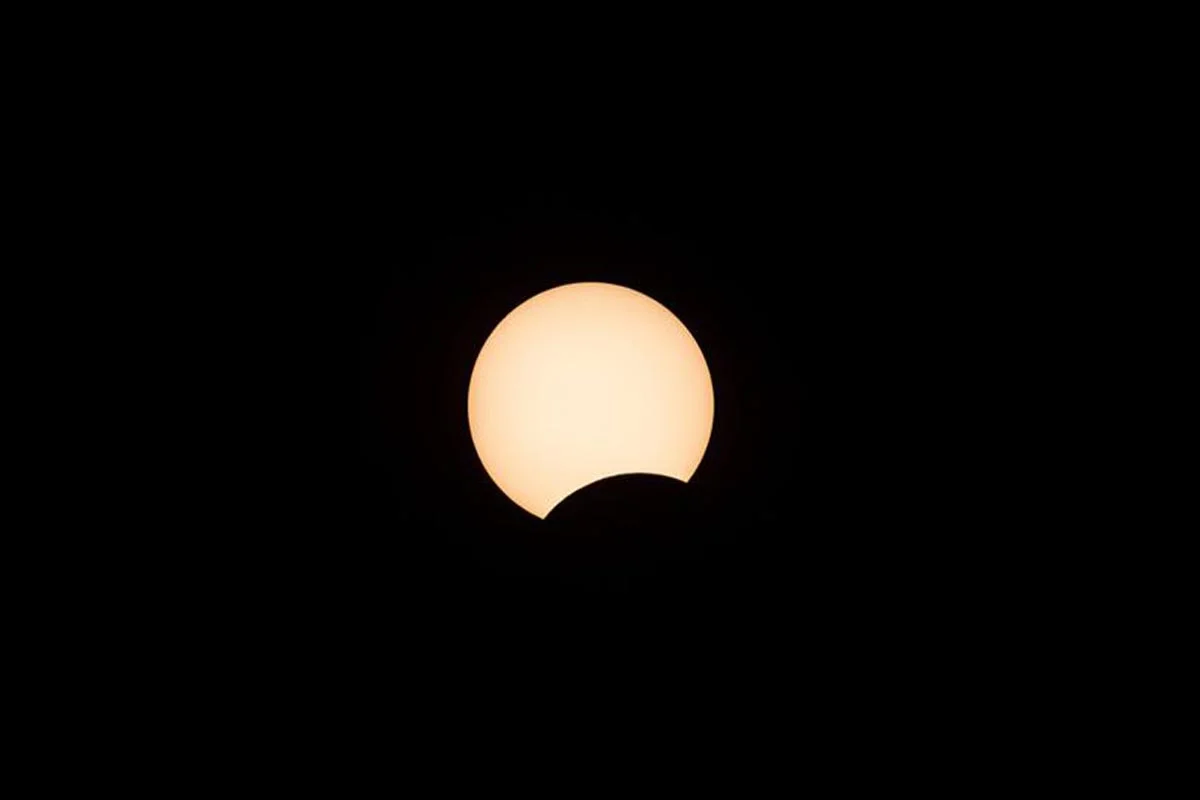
(841, 221)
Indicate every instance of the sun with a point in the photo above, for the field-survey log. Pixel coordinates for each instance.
(583, 382)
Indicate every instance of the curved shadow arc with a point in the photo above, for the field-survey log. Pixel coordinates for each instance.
(606, 479)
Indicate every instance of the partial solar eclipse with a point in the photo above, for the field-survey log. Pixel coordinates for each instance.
(583, 382)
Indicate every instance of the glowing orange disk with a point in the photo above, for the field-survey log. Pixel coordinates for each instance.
(583, 382)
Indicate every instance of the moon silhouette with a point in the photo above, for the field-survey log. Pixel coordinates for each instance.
(583, 382)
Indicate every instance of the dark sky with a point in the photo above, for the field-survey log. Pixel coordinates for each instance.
(842, 244)
(841, 237)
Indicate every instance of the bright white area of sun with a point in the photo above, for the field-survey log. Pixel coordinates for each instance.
(583, 382)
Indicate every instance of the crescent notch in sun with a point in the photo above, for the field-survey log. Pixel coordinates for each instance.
(583, 382)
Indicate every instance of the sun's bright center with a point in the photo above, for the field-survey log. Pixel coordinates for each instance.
(583, 382)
